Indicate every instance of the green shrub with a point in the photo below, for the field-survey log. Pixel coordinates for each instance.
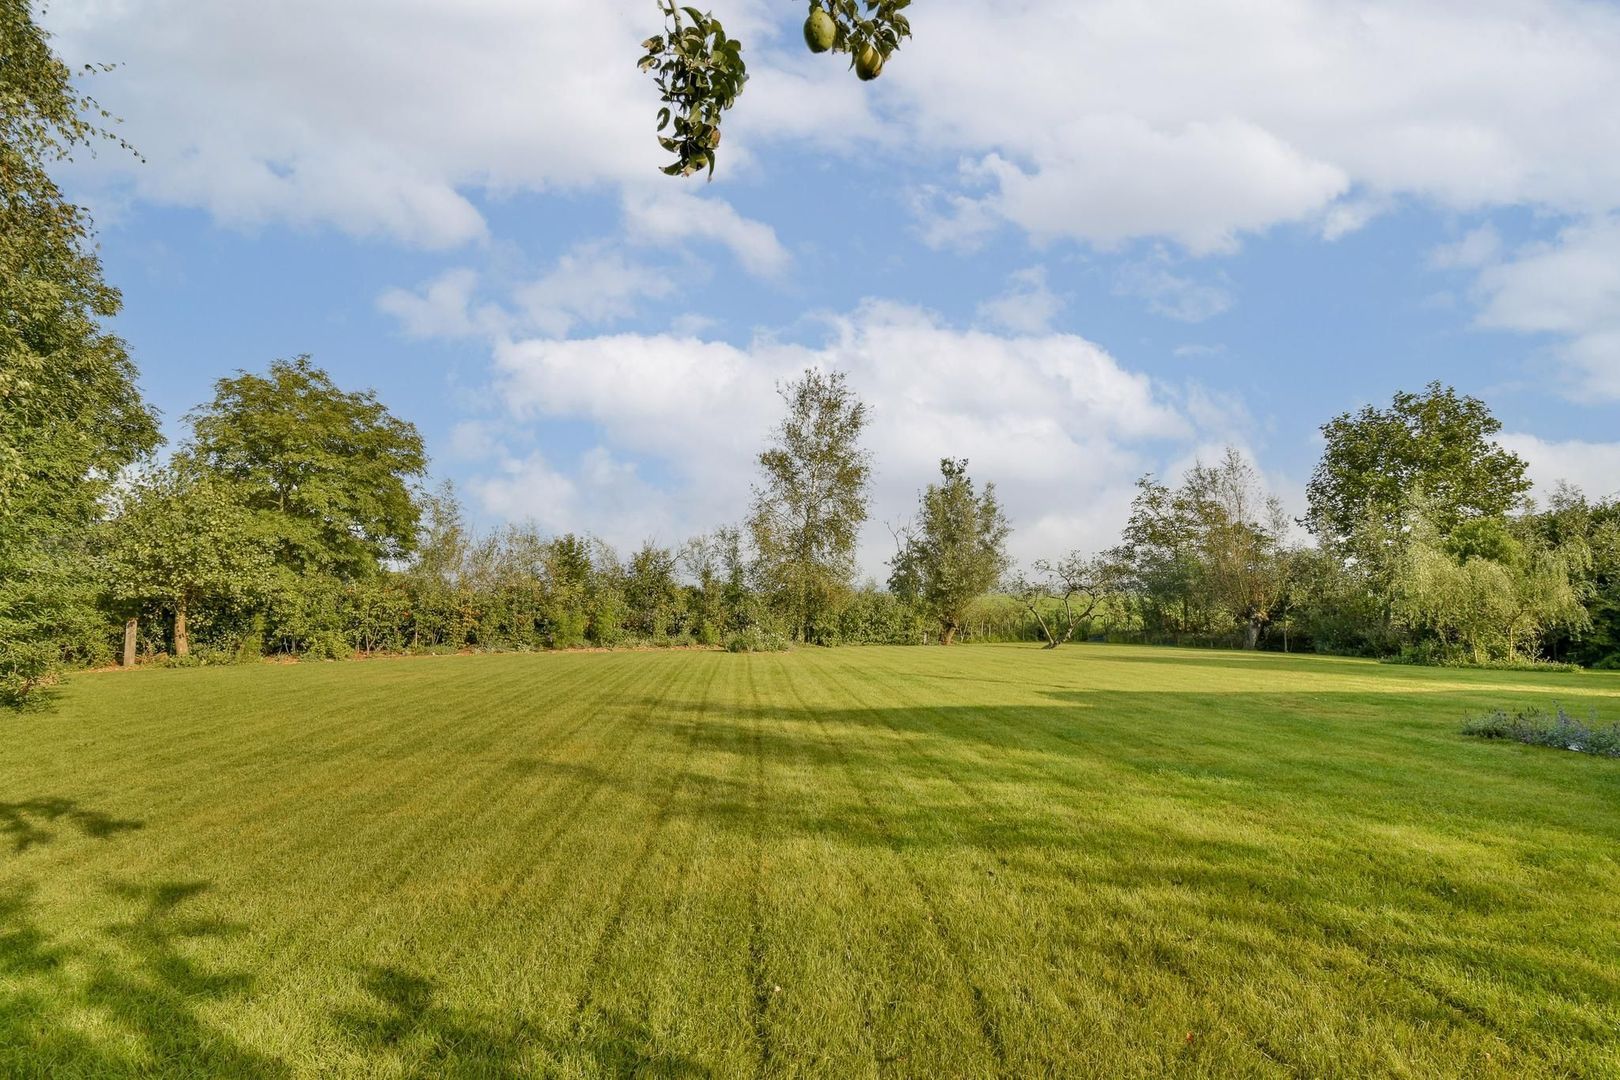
(568, 626)
(26, 667)
(1432, 654)
(754, 639)
(326, 645)
(1557, 730)
(250, 646)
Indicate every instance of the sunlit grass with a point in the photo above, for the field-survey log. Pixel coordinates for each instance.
(986, 860)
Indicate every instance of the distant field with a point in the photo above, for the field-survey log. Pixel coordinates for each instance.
(987, 860)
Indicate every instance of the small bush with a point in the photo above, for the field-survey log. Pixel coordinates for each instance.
(1428, 654)
(1557, 729)
(326, 645)
(754, 639)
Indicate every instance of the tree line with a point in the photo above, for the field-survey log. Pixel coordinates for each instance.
(1419, 542)
(293, 520)
(294, 517)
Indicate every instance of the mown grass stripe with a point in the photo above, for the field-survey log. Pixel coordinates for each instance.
(605, 865)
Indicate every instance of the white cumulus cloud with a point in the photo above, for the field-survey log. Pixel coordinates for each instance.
(1201, 120)
(1059, 424)
(1594, 467)
(1028, 306)
(671, 217)
(1569, 288)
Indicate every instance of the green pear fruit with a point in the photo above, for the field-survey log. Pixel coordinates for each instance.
(868, 64)
(820, 31)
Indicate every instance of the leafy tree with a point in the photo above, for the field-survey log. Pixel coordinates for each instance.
(1158, 559)
(1465, 603)
(1064, 593)
(874, 616)
(1240, 539)
(719, 590)
(605, 603)
(442, 540)
(1335, 607)
(179, 540)
(955, 551)
(1209, 553)
(378, 613)
(333, 473)
(569, 573)
(70, 414)
(1571, 520)
(808, 511)
(506, 570)
(1432, 448)
(700, 71)
(439, 612)
(1485, 592)
(652, 595)
(304, 614)
(1434, 442)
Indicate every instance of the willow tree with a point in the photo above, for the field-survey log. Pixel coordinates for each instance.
(70, 414)
(1482, 594)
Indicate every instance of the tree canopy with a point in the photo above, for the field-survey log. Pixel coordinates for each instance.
(1208, 553)
(954, 551)
(811, 502)
(1484, 594)
(1435, 442)
(71, 415)
(179, 539)
(333, 471)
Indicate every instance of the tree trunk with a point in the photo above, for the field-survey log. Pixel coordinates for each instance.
(1251, 635)
(1046, 634)
(182, 640)
(131, 628)
(948, 636)
(1068, 632)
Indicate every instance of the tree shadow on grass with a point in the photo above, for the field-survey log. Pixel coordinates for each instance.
(21, 821)
(1318, 817)
(1282, 799)
(25, 949)
(135, 981)
(404, 1019)
(1336, 754)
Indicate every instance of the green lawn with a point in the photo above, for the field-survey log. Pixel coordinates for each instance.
(987, 860)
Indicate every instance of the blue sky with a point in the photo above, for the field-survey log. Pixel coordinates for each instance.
(1073, 242)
